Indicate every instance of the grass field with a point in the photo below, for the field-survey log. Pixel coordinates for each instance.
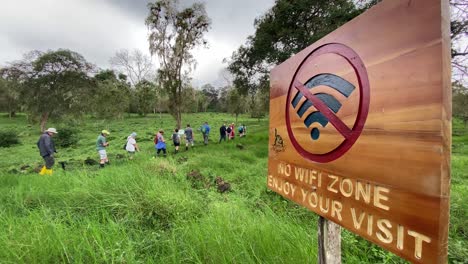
(146, 210)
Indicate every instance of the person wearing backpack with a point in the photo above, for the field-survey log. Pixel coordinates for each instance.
(232, 134)
(205, 129)
(160, 143)
(176, 140)
(131, 145)
(242, 130)
(222, 133)
(188, 136)
(228, 132)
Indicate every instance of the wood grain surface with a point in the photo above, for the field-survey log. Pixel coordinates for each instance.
(401, 160)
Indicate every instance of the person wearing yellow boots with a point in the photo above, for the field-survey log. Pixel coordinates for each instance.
(47, 149)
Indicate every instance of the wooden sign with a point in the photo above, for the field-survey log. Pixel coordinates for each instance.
(360, 127)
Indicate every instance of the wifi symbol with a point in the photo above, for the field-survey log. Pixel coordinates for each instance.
(327, 79)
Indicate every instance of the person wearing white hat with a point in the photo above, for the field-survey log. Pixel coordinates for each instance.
(131, 145)
(101, 145)
(46, 150)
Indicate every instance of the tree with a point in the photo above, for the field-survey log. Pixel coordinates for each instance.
(145, 93)
(173, 34)
(459, 33)
(223, 99)
(53, 83)
(9, 96)
(211, 95)
(202, 101)
(285, 29)
(111, 95)
(136, 65)
(190, 103)
(460, 102)
(236, 102)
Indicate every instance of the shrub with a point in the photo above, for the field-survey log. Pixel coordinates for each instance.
(66, 137)
(8, 138)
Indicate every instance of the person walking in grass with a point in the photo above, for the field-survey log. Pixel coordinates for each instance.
(205, 129)
(160, 143)
(176, 140)
(222, 133)
(188, 136)
(46, 150)
(228, 132)
(232, 133)
(132, 146)
(241, 130)
(101, 145)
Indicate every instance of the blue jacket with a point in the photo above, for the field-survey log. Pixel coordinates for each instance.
(206, 129)
(160, 144)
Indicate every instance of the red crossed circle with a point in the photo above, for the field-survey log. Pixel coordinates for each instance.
(350, 135)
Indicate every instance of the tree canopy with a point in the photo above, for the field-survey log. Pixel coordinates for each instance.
(53, 83)
(173, 33)
(285, 29)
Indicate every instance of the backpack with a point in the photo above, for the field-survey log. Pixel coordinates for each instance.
(241, 129)
(155, 140)
(229, 130)
(176, 138)
(125, 145)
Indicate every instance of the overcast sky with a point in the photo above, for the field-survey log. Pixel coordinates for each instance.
(98, 28)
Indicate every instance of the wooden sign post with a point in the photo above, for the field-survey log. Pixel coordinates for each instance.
(329, 242)
(360, 127)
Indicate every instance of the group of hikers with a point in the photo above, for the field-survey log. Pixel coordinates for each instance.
(47, 147)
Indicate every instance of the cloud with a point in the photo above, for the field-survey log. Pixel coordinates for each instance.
(97, 29)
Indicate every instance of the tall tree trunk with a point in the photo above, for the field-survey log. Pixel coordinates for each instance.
(178, 117)
(44, 118)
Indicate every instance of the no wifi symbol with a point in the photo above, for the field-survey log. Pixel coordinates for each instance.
(326, 105)
(326, 100)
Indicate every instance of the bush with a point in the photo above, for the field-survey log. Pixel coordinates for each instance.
(8, 138)
(66, 137)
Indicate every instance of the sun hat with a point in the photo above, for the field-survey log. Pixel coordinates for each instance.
(133, 134)
(52, 130)
(105, 132)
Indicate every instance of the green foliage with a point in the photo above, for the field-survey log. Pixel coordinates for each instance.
(173, 33)
(194, 101)
(460, 102)
(145, 93)
(9, 96)
(8, 139)
(145, 210)
(66, 137)
(289, 27)
(111, 96)
(284, 30)
(237, 103)
(458, 232)
(53, 83)
(211, 95)
(260, 105)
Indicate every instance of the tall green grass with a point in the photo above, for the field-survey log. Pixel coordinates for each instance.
(146, 210)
